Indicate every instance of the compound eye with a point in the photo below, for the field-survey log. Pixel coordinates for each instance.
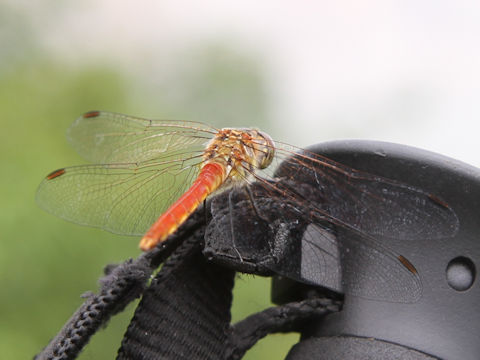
(268, 150)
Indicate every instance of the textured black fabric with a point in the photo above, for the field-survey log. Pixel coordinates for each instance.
(283, 318)
(121, 285)
(125, 284)
(184, 314)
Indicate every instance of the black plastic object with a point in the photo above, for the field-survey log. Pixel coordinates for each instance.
(445, 321)
(350, 347)
(431, 308)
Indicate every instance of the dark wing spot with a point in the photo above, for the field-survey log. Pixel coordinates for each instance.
(55, 174)
(407, 264)
(91, 114)
(438, 201)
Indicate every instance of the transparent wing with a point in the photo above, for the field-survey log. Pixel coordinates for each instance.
(391, 278)
(361, 201)
(288, 240)
(368, 207)
(103, 137)
(121, 198)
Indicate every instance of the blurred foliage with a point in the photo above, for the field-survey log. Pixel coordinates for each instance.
(47, 263)
(224, 88)
(212, 84)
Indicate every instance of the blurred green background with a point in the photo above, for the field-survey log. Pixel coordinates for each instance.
(47, 263)
(402, 71)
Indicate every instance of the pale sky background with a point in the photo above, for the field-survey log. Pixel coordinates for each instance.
(400, 71)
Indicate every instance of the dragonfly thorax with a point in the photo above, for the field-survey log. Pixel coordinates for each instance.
(240, 151)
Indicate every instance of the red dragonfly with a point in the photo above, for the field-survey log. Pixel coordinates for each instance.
(158, 172)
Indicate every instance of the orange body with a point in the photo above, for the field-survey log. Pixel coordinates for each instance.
(210, 178)
(232, 154)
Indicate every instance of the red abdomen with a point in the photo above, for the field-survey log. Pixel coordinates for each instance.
(210, 178)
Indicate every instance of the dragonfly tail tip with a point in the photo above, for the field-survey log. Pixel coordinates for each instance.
(147, 243)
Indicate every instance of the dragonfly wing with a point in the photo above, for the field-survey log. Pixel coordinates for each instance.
(103, 137)
(364, 202)
(121, 198)
(293, 244)
(366, 271)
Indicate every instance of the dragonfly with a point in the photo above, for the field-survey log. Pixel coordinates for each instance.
(149, 176)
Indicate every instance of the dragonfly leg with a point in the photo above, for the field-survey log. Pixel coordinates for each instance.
(248, 190)
(252, 201)
(205, 212)
(230, 209)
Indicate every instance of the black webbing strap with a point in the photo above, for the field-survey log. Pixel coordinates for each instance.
(184, 314)
(121, 285)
